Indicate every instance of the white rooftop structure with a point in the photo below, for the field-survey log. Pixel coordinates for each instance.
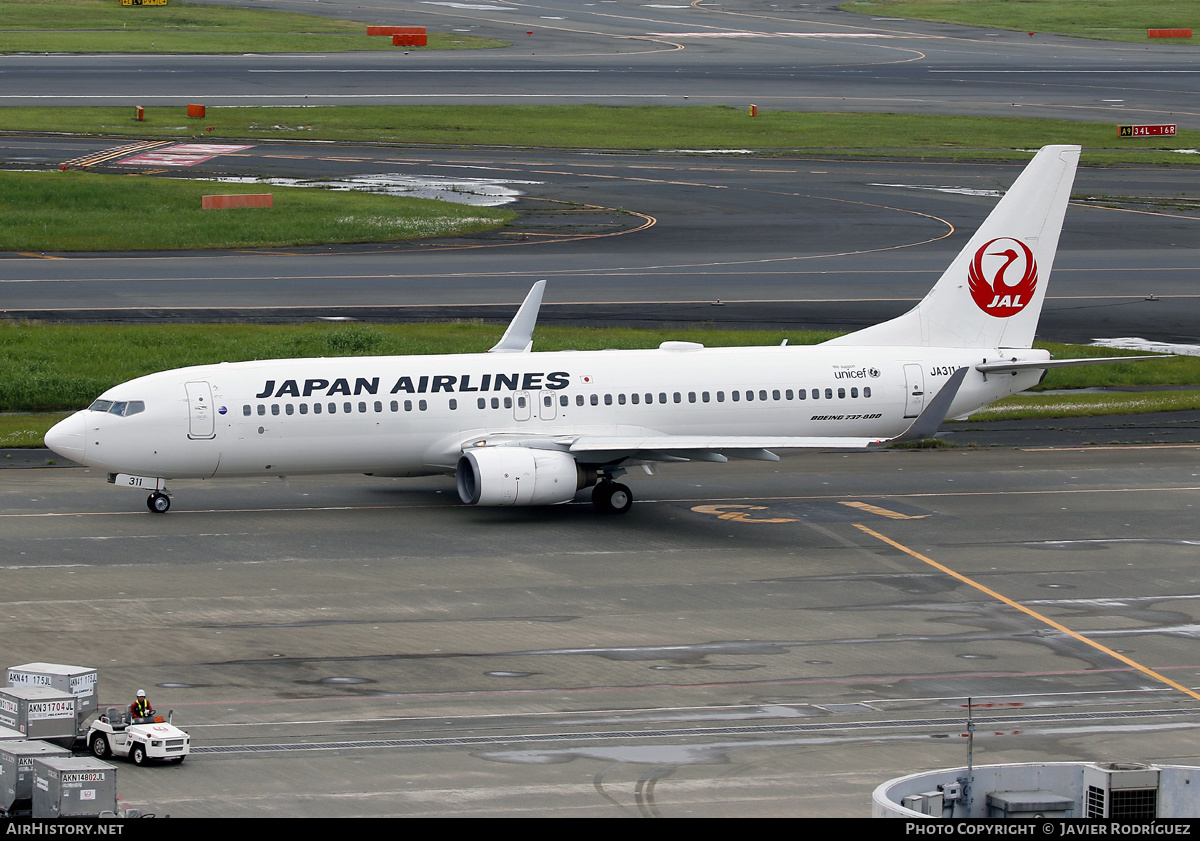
(1115, 790)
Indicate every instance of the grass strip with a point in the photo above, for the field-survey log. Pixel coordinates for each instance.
(55, 367)
(26, 430)
(104, 26)
(60, 367)
(1177, 370)
(1108, 20)
(634, 128)
(1033, 405)
(74, 211)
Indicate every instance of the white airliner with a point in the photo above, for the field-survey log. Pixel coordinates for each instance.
(522, 428)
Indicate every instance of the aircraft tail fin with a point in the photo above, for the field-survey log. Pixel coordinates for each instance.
(991, 295)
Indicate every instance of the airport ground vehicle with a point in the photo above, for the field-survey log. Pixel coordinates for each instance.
(142, 740)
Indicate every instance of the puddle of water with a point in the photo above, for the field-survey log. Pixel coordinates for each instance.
(476, 192)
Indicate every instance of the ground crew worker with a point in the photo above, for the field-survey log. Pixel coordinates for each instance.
(141, 708)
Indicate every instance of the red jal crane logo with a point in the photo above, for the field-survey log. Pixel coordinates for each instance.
(1005, 283)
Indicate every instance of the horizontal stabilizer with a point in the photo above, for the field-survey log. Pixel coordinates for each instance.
(993, 367)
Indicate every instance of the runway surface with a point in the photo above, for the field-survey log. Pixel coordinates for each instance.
(810, 57)
(644, 239)
(749, 640)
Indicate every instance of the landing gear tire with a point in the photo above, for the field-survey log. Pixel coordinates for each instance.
(612, 498)
(158, 503)
(100, 746)
(138, 755)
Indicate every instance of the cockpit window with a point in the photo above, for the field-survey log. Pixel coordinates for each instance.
(123, 408)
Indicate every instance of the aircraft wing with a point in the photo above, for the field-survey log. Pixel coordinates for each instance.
(651, 447)
(603, 448)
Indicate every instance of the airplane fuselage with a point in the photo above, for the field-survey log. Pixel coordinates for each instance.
(407, 416)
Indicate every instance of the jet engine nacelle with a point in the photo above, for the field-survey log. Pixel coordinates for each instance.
(518, 476)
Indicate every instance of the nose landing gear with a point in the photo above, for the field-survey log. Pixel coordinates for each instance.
(158, 502)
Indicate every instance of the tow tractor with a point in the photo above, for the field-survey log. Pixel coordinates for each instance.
(143, 740)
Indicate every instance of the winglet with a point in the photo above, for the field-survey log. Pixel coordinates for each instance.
(927, 423)
(518, 338)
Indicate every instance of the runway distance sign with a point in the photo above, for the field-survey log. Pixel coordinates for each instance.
(1165, 130)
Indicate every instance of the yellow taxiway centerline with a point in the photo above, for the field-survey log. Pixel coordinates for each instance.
(1028, 611)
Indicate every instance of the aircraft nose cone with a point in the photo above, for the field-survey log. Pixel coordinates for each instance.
(67, 437)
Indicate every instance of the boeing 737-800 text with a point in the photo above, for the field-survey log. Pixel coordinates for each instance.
(523, 428)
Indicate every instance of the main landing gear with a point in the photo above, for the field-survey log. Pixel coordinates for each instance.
(611, 497)
(158, 502)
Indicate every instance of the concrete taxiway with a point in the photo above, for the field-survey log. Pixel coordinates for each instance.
(751, 639)
(807, 57)
(644, 239)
